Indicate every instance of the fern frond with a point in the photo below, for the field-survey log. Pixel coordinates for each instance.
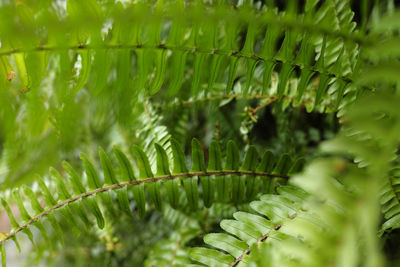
(129, 53)
(249, 230)
(390, 199)
(99, 187)
(214, 39)
(341, 189)
(173, 252)
(150, 130)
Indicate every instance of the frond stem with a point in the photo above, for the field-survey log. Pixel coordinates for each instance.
(219, 97)
(136, 182)
(172, 48)
(261, 239)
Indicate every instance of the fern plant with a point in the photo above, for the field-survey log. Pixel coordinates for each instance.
(199, 133)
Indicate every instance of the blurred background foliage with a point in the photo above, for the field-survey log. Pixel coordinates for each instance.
(75, 75)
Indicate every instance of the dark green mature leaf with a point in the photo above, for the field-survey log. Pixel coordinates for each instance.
(207, 183)
(250, 164)
(80, 189)
(232, 163)
(266, 165)
(189, 184)
(214, 163)
(233, 65)
(110, 178)
(163, 169)
(146, 172)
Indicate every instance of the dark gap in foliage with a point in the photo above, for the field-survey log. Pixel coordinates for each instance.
(318, 127)
(294, 129)
(266, 126)
(242, 37)
(301, 6)
(296, 71)
(281, 5)
(391, 247)
(319, 4)
(279, 41)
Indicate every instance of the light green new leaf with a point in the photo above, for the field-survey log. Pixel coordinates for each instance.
(211, 257)
(227, 243)
(241, 230)
(109, 175)
(91, 173)
(161, 64)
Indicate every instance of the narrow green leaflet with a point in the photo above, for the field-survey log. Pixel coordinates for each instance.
(232, 164)
(225, 242)
(233, 65)
(197, 72)
(250, 164)
(128, 175)
(75, 179)
(13, 221)
(189, 184)
(146, 172)
(283, 165)
(163, 169)
(161, 64)
(178, 68)
(215, 164)
(64, 195)
(91, 173)
(198, 166)
(109, 175)
(284, 76)
(211, 257)
(110, 178)
(266, 165)
(214, 70)
(268, 68)
(80, 189)
(95, 182)
(241, 230)
(251, 67)
(86, 63)
(125, 165)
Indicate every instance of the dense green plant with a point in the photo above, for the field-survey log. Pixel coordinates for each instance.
(188, 133)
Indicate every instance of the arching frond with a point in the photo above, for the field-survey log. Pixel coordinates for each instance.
(78, 197)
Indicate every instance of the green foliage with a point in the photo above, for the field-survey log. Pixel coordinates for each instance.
(88, 193)
(153, 114)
